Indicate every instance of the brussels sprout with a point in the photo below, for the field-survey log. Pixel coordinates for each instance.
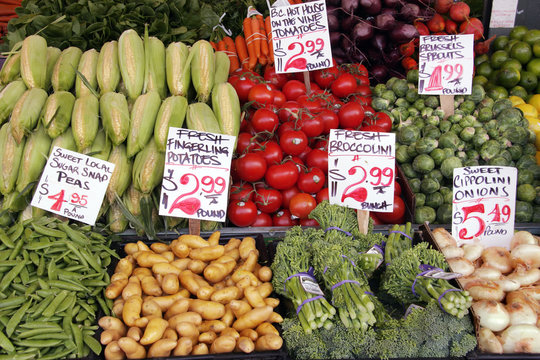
(485, 114)
(419, 104)
(529, 149)
(438, 156)
(409, 171)
(524, 211)
(489, 150)
(429, 186)
(424, 214)
(412, 76)
(467, 120)
(411, 150)
(408, 134)
(412, 95)
(390, 82)
(467, 107)
(431, 131)
(435, 174)
(459, 99)
(433, 120)
(419, 122)
(448, 152)
(467, 133)
(478, 94)
(379, 104)
(400, 87)
(434, 200)
(537, 198)
(526, 192)
(525, 176)
(426, 145)
(526, 162)
(378, 90)
(439, 113)
(536, 215)
(444, 214)
(486, 103)
(472, 154)
(420, 199)
(509, 118)
(445, 125)
(415, 185)
(402, 103)
(389, 95)
(454, 119)
(471, 162)
(532, 136)
(498, 161)
(462, 155)
(447, 194)
(449, 140)
(432, 101)
(448, 166)
(423, 164)
(401, 154)
(500, 105)
(516, 152)
(490, 125)
(414, 112)
(426, 112)
(506, 155)
(459, 112)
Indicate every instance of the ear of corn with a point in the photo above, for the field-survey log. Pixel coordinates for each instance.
(101, 147)
(10, 159)
(64, 141)
(171, 113)
(223, 63)
(85, 121)
(37, 212)
(53, 53)
(116, 219)
(177, 68)
(155, 66)
(200, 117)
(9, 97)
(226, 106)
(121, 176)
(148, 168)
(143, 118)
(132, 200)
(16, 201)
(25, 115)
(33, 61)
(202, 66)
(131, 62)
(11, 69)
(87, 68)
(114, 111)
(34, 157)
(108, 71)
(64, 71)
(56, 114)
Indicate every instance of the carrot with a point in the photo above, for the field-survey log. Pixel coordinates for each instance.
(214, 46)
(241, 50)
(11, 2)
(255, 32)
(250, 44)
(232, 53)
(264, 40)
(268, 29)
(221, 45)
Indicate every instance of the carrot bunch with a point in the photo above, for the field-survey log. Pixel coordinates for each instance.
(7, 12)
(255, 46)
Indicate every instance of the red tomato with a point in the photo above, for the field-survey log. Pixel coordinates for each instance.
(286, 126)
(344, 85)
(303, 155)
(287, 196)
(356, 69)
(351, 115)
(397, 188)
(362, 80)
(283, 218)
(264, 120)
(251, 167)
(243, 81)
(376, 220)
(362, 100)
(321, 144)
(318, 158)
(322, 195)
(279, 99)
(310, 124)
(241, 191)
(329, 119)
(383, 120)
(289, 111)
(293, 142)
(308, 222)
(261, 95)
(397, 213)
(262, 219)
(268, 200)
(311, 181)
(282, 176)
(242, 213)
(373, 128)
(363, 90)
(245, 142)
(299, 163)
(312, 102)
(301, 205)
(325, 77)
(293, 89)
(271, 152)
(271, 77)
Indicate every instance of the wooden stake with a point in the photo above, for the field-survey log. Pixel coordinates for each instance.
(195, 226)
(447, 104)
(307, 81)
(363, 221)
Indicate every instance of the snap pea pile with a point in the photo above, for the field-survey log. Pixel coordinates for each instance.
(52, 278)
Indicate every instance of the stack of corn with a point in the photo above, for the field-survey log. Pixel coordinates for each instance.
(117, 105)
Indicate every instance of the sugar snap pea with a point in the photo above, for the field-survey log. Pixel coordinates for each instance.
(42, 306)
(43, 230)
(35, 332)
(5, 343)
(38, 343)
(17, 317)
(49, 311)
(10, 276)
(5, 239)
(66, 285)
(39, 324)
(92, 343)
(17, 249)
(77, 336)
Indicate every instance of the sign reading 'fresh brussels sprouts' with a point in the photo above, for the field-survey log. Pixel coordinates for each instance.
(484, 204)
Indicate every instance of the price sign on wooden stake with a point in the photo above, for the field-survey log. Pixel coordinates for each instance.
(484, 204)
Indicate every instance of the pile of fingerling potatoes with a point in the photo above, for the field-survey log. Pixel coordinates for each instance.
(191, 297)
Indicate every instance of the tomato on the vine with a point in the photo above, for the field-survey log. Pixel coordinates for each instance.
(293, 142)
(289, 111)
(262, 219)
(293, 89)
(308, 222)
(242, 191)
(282, 176)
(279, 99)
(373, 128)
(363, 90)
(311, 181)
(286, 126)
(243, 81)
(301, 205)
(375, 218)
(264, 120)
(303, 155)
(268, 200)
(322, 195)
(271, 77)
(244, 143)
(312, 102)
(397, 188)
(251, 167)
(283, 218)
(329, 120)
(261, 95)
(287, 195)
(344, 85)
(242, 213)
(397, 213)
(310, 124)
(351, 115)
(383, 120)
(318, 158)
(271, 152)
(325, 77)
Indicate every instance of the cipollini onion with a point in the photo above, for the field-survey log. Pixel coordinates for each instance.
(525, 276)
(452, 252)
(487, 273)
(472, 252)
(499, 258)
(522, 237)
(528, 254)
(461, 266)
(488, 342)
(491, 314)
(521, 339)
(521, 313)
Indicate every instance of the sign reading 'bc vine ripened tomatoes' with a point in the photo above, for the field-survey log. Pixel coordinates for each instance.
(300, 36)
(361, 169)
(484, 204)
(196, 176)
(73, 185)
(445, 64)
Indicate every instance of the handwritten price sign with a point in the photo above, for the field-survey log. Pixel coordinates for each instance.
(301, 37)
(484, 204)
(361, 169)
(446, 64)
(73, 185)
(196, 176)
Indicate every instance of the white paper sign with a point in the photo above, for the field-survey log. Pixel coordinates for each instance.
(361, 169)
(301, 39)
(446, 64)
(73, 185)
(503, 14)
(484, 205)
(196, 175)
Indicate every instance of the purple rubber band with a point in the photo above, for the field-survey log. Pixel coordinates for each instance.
(369, 293)
(401, 232)
(325, 268)
(339, 229)
(383, 243)
(378, 247)
(309, 274)
(344, 282)
(352, 262)
(425, 269)
(307, 301)
(442, 295)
